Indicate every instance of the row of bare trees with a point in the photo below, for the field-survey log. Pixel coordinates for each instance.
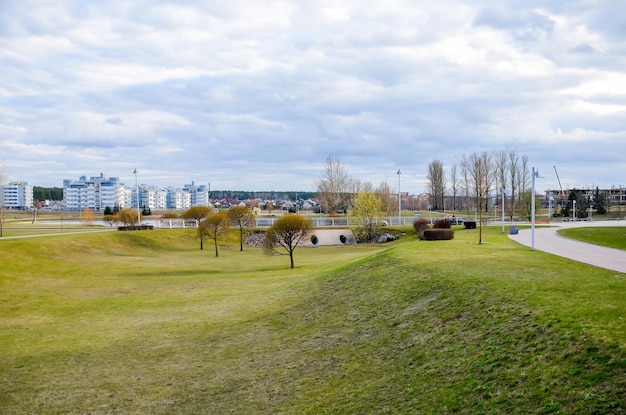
(479, 176)
(336, 190)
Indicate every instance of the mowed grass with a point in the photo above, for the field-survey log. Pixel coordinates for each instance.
(613, 237)
(145, 322)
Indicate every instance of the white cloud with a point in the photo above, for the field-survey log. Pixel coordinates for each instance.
(256, 95)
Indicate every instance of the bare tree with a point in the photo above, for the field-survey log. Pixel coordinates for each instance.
(466, 170)
(437, 183)
(500, 161)
(213, 226)
(388, 202)
(454, 184)
(482, 179)
(242, 218)
(513, 181)
(335, 187)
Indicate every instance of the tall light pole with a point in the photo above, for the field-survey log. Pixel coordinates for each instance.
(574, 210)
(399, 201)
(535, 174)
(503, 195)
(137, 194)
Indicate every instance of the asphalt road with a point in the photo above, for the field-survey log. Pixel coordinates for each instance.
(547, 240)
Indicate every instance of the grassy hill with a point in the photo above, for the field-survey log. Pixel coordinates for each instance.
(145, 322)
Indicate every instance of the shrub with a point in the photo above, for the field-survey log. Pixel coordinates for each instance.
(442, 224)
(438, 234)
(420, 226)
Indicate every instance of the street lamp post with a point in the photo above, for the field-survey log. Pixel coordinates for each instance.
(535, 174)
(399, 202)
(137, 194)
(574, 210)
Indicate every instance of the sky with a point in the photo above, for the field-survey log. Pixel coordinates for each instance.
(256, 95)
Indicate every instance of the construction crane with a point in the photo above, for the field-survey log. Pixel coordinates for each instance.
(562, 192)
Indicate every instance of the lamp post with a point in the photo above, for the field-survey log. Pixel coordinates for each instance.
(574, 210)
(503, 195)
(399, 202)
(137, 194)
(535, 174)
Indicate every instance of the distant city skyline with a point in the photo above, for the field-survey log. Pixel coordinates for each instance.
(255, 96)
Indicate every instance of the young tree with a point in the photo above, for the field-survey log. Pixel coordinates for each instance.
(334, 189)
(241, 217)
(87, 216)
(482, 178)
(128, 217)
(285, 235)
(197, 213)
(213, 226)
(365, 209)
(111, 219)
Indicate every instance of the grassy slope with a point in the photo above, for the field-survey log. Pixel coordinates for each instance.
(146, 323)
(613, 237)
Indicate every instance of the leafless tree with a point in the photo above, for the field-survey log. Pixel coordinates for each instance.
(436, 183)
(335, 186)
(388, 201)
(454, 184)
(482, 179)
(466, 170)
(501, 165)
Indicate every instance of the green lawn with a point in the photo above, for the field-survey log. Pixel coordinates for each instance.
(613, 237)
(145, 322)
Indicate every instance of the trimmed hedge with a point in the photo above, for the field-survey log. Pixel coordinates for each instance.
(442, 224)
(438, 234)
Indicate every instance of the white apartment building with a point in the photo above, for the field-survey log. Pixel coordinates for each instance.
(199, 194)
(16, 195)
(99, 192)
(96, 193)
(177, 199)
(149, 197)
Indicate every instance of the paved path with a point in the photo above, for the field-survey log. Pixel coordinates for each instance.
(547, 240)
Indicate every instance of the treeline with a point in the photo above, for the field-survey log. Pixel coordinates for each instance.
(47, 193)
(56, 193)
(265, 195)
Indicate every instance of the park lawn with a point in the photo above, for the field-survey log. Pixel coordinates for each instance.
(612, 237)
(145, 322)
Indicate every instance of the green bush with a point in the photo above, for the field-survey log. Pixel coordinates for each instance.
(438, 234)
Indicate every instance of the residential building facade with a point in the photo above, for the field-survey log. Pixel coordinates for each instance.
(16, 195)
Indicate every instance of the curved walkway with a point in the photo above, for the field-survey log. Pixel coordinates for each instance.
(547, 240)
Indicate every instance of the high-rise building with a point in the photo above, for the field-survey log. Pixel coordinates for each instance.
(97, 193)
(16, 195)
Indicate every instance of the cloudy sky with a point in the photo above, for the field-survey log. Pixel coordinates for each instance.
(254, 95)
